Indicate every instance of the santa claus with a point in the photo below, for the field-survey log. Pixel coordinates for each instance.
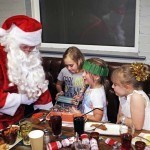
(22, 78)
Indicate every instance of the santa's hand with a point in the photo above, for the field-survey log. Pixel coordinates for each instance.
(59, 94)
(25, 100)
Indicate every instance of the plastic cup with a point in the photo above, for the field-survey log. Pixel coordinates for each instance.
(36, 139)
(55, 123)
(25, 128)
(126, 134)
(79, 122)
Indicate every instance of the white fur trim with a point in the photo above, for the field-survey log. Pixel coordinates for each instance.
(25, 100)
(13, 101)
(28, 38)
(44, 107)
(2, 32)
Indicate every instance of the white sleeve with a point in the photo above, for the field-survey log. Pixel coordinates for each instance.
(12, 103)
(44, 107)
(60, 75)
(97, 100)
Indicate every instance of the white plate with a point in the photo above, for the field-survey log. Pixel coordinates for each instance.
(145, 135)
(67, 124)
(112, 129)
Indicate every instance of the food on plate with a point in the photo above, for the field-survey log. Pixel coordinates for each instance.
(10, 134)
(99, 126)
(3, 145)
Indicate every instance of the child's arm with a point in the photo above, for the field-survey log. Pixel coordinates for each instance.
(119, 115)
(97, 115)
(137, 106)
(59, 89)
(59, 86)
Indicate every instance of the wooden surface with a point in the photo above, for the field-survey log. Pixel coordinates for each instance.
(68, 132)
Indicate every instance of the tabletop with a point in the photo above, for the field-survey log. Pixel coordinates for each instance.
(69, 132)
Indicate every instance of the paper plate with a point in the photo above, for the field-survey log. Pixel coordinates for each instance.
(112, 129)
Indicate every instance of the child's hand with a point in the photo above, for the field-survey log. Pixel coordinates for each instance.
(119, 120)
(74, 110)
(75, 102)
(59, 94)
(78, 97)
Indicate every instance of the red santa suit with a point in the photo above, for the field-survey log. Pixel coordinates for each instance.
(12, 101)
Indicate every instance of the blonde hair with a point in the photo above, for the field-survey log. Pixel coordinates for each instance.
(76, 55)
(126, 76)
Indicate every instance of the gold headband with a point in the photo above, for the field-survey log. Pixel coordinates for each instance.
(139, 71)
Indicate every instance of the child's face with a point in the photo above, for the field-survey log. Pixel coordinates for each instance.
(88, 78)
(119, 89)
(71, 65)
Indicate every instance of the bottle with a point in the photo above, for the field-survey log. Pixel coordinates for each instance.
(46, 136)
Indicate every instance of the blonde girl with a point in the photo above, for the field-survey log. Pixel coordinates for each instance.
(134, 106)
(95, 73)
(71, 75)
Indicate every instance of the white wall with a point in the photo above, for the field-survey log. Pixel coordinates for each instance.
(144, 38)
(13, 7)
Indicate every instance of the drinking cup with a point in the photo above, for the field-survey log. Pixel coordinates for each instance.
(79, 122)
(36, 139)
(25, 128)
(55, 123)
(126, 134)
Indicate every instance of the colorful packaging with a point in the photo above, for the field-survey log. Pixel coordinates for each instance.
(54, 145)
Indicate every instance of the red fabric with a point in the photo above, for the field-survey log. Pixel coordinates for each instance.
(25, 23)
(6, 120)
(44, 98)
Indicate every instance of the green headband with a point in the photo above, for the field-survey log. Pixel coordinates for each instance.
(95, 69)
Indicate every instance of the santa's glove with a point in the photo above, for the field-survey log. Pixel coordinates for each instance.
(25, 100)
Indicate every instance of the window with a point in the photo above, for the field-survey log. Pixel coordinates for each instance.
(107, 25)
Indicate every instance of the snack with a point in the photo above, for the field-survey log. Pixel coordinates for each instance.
(3, 145)
(99, 126)
(10, 134)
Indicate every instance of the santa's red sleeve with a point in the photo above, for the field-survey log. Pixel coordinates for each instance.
(44, 101)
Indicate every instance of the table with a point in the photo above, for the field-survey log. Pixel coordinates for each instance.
(68, 132)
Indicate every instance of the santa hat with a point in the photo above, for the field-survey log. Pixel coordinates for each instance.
(24, 29)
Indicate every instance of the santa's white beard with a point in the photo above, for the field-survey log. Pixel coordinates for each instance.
(26, 71)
